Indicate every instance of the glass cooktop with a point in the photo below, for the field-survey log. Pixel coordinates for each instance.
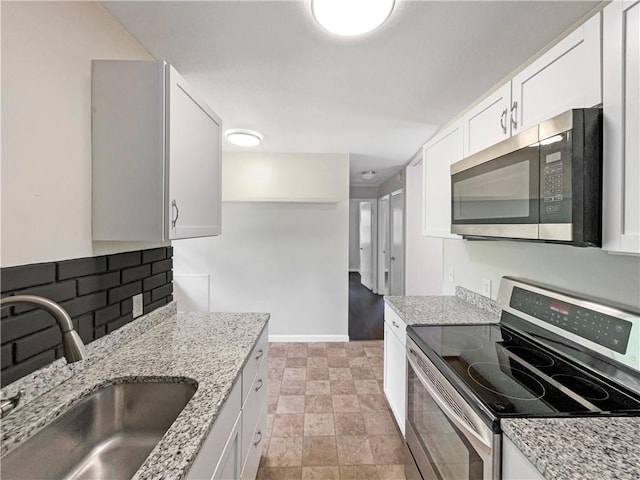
(510, 375)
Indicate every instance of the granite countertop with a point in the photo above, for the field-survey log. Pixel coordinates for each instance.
(579, 448)
(207, 348)
(466, 307)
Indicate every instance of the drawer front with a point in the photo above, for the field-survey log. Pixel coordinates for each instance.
(256, 444)
(396, 324)
(254, 406)
(258, 357)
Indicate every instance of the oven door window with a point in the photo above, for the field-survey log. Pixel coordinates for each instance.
(450, 454)
(504, 190)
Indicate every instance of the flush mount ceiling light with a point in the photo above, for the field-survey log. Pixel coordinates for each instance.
(243, 138)
(368, 174)
(351, 17)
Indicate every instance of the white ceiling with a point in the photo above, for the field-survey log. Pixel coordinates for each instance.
(266, 65)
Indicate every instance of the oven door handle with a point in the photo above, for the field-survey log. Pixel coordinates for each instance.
(479, 443)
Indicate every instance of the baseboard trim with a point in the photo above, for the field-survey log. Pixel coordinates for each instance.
(308, 338)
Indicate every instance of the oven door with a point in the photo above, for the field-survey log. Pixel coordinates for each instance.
(497, 196)
(446, 438)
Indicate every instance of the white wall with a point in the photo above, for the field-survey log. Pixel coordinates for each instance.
(423, 255)
(286, 258)
(47, 48)
(588, 271)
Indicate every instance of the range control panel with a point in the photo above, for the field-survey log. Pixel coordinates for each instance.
(610, 332)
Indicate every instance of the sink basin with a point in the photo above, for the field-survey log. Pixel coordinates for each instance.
(107, 435)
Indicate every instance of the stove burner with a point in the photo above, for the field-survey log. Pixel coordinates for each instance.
(521, 387)
(461, 343)
(535, 358)
(583, 387)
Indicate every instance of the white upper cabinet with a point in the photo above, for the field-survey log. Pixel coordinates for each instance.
(437, 156)
(621, 104)
(564, 77)
(488, 122)
(156, 154)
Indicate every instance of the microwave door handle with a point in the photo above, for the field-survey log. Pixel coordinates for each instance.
(477, 441)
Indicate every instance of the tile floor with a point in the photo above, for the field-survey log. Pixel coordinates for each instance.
(327, 415)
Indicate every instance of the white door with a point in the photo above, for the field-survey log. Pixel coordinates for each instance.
(396, 275)
(194, 157)
(366, 244)
(384, 253)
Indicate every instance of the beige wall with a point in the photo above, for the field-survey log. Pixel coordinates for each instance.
(47, 48)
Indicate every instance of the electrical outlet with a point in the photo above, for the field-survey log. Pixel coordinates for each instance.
(486, 287)
(452, 275)
(137, 305)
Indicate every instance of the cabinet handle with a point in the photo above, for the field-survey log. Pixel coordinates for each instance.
(174, 205)
(260, 385)
(514, 115)
(255, 444)
(503, 121)
(395, 324)
(260, 354)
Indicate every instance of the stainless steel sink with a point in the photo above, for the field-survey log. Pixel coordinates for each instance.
(107, 435)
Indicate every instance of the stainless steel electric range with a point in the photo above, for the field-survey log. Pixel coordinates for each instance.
(553, 354)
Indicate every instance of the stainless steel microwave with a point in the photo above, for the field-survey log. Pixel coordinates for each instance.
(543, 184)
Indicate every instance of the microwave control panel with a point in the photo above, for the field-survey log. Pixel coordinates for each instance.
(555, 179)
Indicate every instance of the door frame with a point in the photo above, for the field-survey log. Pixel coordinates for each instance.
(374, 241)
(401, 260)
(383, 241)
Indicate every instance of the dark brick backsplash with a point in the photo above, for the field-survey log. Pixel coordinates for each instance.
(95, 291)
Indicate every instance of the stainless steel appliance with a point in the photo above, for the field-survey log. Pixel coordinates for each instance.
(541, 184)
(553, 354)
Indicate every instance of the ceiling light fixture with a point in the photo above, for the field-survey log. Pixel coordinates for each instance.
(243, 137)
(351, 17)
(368, 174)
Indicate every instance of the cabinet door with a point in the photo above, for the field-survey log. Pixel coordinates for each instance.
(229, 466)
(566, 76)
(621, 92)
(437, 156)
(487, 123)
(395, 373)
(193, 153)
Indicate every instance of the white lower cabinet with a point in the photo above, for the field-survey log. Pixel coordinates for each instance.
(395, 365)
(515, 466)
(234, 445)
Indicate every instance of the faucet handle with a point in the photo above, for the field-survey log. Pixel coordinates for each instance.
(9, 404)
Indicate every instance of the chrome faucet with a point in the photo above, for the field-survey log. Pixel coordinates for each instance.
(71, 343)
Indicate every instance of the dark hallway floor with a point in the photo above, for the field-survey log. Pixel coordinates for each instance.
(366, 311)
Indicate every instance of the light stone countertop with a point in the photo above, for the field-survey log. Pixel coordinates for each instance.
(579, 448)
(208, 348)
(464, 308)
